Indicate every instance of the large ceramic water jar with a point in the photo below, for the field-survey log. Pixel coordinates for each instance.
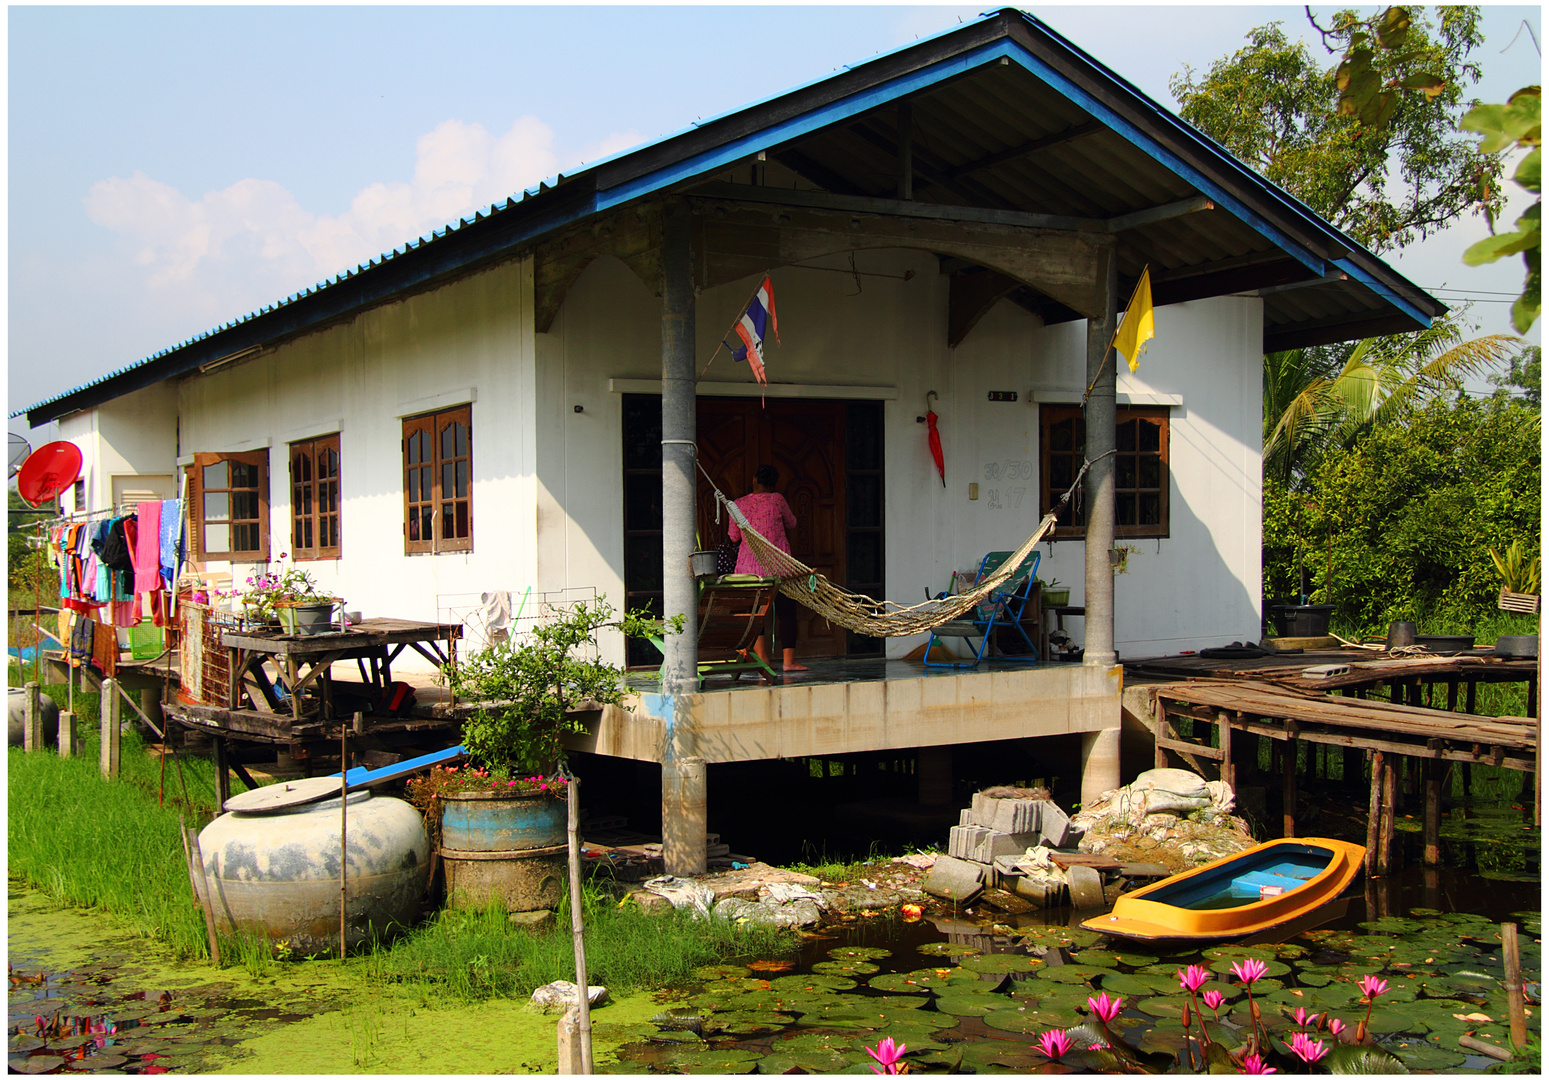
(503, 848)
(17, 718)
(272, 862)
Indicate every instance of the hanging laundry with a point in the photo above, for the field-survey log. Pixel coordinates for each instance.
(171, 539)
(104, 648)
(147, 548)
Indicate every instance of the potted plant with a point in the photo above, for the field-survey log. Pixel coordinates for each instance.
(1054, 595)
(290, 598)
(501, 819)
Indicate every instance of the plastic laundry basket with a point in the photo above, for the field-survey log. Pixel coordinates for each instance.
(146, 641)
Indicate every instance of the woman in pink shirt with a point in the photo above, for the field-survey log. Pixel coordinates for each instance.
(769, 514)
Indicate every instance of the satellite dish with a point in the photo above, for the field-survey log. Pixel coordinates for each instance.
(20, 448)
(47, 471)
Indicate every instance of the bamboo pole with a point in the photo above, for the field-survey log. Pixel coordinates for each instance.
(1374, 815)
(1515, 1006)
(1288, 788)
(583, 997)
(344, 821)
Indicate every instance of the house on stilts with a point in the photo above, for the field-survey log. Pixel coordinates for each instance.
(519, 401)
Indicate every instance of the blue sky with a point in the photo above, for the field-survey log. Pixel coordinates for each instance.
(172, 168)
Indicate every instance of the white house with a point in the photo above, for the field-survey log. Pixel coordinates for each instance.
(482, 409)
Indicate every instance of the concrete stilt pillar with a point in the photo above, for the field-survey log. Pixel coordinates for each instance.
(1101, 436)
(934, 775)
(569, 1041)
(1099, 763)
(683, 775)
(32, 718)
(685, 806)
(112, 711)
(69, 735)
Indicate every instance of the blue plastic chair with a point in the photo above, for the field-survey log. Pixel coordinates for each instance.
(1003, 607)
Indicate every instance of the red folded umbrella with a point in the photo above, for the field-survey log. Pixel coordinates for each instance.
(934, 437)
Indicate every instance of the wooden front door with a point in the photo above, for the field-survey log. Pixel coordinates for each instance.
(805, 442)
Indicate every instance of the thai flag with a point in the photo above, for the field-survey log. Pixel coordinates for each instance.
(756, 321)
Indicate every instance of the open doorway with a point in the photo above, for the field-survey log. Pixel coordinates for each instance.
(829, 456)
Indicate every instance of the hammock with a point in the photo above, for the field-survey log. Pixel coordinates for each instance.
(865, 614)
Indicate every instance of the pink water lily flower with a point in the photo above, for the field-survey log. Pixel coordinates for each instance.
(1213, 998)
(1250, 971)
(1372, 986)
(1304, 1018)
(1254, 1065)
(1105, 1008)
(887, 1055)
(1054, 1044)
(1336, 1026)
(1306, 1047)
(1192, 978)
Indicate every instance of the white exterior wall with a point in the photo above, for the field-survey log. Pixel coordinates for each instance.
(134, 435)
(1196, 588)
(548, 505)
(468, 341)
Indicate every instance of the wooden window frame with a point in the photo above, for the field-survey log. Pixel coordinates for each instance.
(1160, 415)
(196, 520)
(308, 450)
(434, 425)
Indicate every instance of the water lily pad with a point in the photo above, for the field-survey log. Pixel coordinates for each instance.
(845, 967)
(1070, 973)
(99, 1061)
(948, 948)
(1002, 963)
(748, 1022)
(985, 1056)
(912, 982)
(721, 971)
(807, 1042)
(1422, 1055)
(813, 1062)
(897, 1001)
(768, 967)
(1138, 985)
(1030, 1020)
(1273, 968)
(39, 1064)
(787, 984)
(1097, 958)
(719, 1061)
(1392, 924)
(671, 1036)
(969, 1004)
(1161, 1006)
(20, 1044)
(858, 952)
(1061, 937)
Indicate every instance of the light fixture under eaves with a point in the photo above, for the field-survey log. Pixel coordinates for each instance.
(230, 358)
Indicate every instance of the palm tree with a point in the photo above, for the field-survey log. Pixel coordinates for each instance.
(1316, 399)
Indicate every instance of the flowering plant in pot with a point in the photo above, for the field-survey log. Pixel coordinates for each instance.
(275, 596)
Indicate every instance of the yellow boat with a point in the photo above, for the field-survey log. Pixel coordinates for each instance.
(1240, 896)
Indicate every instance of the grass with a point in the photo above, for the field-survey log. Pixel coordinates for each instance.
(475, 955)
(91, 842)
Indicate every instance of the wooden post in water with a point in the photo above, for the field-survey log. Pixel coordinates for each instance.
(1224, 736)
(1385, 841)
(1160, 728)
(1288, 793)
(1374, 818)
(1432, 812)
(1516, 1009)
(583, 995)
(191, 837)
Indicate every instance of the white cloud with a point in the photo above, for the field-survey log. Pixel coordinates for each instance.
(252, 242)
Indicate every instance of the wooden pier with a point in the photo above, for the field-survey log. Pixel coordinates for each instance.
(1293, 709)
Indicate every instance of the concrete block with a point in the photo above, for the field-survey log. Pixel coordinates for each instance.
(965, 816)
(1008, 844)
(956, 880)
(1016, 815)
(964, 840)
(1054, 825)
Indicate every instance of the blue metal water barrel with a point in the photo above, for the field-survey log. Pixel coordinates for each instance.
(491, 821)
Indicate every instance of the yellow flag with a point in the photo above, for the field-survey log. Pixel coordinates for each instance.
(1139, 325)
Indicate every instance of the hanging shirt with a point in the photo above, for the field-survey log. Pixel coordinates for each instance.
(770, 516)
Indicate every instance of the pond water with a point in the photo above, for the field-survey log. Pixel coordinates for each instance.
(969, 995)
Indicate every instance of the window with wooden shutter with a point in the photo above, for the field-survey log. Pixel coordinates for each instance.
(314, 499)
(228, 507)
(1140, 468)
(438, 481)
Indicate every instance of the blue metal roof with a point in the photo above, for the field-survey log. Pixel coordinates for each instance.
(505, 228)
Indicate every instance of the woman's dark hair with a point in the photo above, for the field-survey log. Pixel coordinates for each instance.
(767, 475)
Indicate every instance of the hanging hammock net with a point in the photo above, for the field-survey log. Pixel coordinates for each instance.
(865, 614)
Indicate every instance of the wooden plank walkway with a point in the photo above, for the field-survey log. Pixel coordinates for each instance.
(1291, 714)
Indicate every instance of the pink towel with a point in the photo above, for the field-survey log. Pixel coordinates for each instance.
(147, 548)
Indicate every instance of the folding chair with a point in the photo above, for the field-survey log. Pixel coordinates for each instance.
(1002, 608)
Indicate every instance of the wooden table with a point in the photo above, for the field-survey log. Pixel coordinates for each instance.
(305, 660)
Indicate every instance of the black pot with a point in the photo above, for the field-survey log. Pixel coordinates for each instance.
(1445, 644)
(1301, 620)
(1517, 646)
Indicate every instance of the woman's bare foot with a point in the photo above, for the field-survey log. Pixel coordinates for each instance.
(790, 663)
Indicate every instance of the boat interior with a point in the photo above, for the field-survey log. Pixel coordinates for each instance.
(1271, 873)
